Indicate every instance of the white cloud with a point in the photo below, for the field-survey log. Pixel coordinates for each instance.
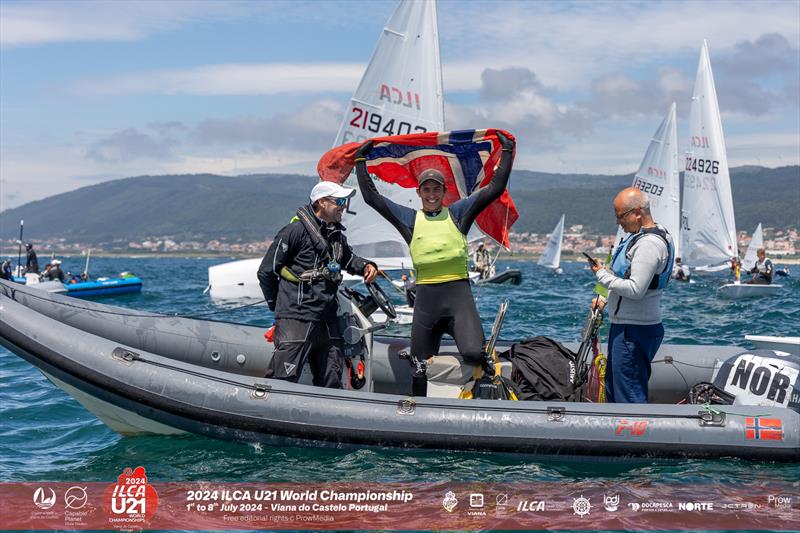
(568, 43)
(43, 22)
(230, 79)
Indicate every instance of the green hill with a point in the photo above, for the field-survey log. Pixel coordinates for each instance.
(203, 207)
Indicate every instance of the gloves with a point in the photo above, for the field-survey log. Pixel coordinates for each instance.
(363, 150)
(508, 144)
(488, 364)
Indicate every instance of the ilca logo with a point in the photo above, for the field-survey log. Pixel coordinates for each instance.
(581, 506)
(42, 500)
(75, 497)
(611, 502)
(450, 502)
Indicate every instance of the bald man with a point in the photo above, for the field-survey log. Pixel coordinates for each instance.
(640, 270)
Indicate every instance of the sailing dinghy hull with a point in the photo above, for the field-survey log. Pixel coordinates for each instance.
(141, 373)
(737, 291)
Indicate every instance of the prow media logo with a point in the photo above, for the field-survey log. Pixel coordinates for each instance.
(130, 501)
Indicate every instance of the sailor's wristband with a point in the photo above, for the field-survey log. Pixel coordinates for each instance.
(359, 159)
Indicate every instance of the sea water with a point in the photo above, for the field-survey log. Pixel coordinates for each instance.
(46, 435)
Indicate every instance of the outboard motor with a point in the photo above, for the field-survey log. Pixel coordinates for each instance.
(755, 377)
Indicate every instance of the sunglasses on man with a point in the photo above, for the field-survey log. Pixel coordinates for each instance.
(340, 202)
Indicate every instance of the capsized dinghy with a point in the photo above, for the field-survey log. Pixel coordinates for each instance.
(148, 373)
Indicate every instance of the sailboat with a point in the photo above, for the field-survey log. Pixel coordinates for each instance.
(708, 228)
(659, 179)
(751, 256)
(551, 257)
(399, 93)
(738, 290)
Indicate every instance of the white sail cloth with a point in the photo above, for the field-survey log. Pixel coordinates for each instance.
(400, 93)
(551, 257)
(708, 234)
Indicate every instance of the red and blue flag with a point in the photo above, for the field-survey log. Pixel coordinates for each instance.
(467, 159)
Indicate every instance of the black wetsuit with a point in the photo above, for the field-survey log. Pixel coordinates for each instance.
(306, 325)
(441, 307)
(32, 265)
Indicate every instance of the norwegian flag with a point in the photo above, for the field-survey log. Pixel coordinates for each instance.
(757, 428)
(467, 158)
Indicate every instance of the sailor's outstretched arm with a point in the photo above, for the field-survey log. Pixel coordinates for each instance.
(399, 216)
(467, 210)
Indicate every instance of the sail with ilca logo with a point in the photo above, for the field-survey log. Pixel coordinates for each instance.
(708, 228)
(400, 93)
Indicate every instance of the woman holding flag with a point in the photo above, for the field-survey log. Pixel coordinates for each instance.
(437, 233)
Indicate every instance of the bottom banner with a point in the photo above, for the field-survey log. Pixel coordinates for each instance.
(134, 503)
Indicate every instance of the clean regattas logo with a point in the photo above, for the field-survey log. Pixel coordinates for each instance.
(131, 500)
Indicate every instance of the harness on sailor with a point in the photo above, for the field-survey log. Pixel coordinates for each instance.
(621, 263)
(332, 253)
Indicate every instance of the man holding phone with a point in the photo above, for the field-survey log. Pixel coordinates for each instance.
(640, 270)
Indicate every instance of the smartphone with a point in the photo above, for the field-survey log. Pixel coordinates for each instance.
(591, 259)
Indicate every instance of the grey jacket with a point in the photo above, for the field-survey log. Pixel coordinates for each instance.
(638, 305)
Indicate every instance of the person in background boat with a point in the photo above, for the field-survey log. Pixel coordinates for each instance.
(681, 271)
(300, 276)
(482, 261)
(54, 272)
(6, 271)
(736, 269)
(32, 263)
(437, 239)
(410, 288)
(640, 270)
(762, 271)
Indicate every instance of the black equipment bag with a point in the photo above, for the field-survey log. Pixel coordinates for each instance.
(543, 370)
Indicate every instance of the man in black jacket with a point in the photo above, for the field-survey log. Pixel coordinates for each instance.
(32, 264)
(300, 276)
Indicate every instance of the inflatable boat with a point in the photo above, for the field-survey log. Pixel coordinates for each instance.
(148, 373)
(104, 287)
(511, 275)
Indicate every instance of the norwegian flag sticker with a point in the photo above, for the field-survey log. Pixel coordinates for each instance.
(757, 428)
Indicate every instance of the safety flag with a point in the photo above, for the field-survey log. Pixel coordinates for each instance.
(466, 158)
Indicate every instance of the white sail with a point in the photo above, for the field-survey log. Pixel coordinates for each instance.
(400, 93)
(750, 257)
(551, 257)
(708, 234)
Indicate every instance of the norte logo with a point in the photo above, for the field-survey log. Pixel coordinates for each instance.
(130, 500)
(695, 506)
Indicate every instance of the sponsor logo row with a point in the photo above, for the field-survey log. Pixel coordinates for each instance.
(583, 506)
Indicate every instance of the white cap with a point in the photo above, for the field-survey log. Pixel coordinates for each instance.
(55, 262)
(330, 189)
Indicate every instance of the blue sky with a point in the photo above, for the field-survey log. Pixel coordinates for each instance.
(92, 91)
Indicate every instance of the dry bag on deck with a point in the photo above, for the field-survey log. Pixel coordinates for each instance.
(543, 369)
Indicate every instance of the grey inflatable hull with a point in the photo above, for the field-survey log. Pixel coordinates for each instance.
(143, 373)
(512, 276)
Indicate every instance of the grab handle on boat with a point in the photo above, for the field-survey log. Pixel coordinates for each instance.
(353, 334)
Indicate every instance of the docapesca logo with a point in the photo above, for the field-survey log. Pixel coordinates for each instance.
(130, 500)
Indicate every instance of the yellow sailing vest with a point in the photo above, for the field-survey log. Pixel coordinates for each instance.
(438, 249)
